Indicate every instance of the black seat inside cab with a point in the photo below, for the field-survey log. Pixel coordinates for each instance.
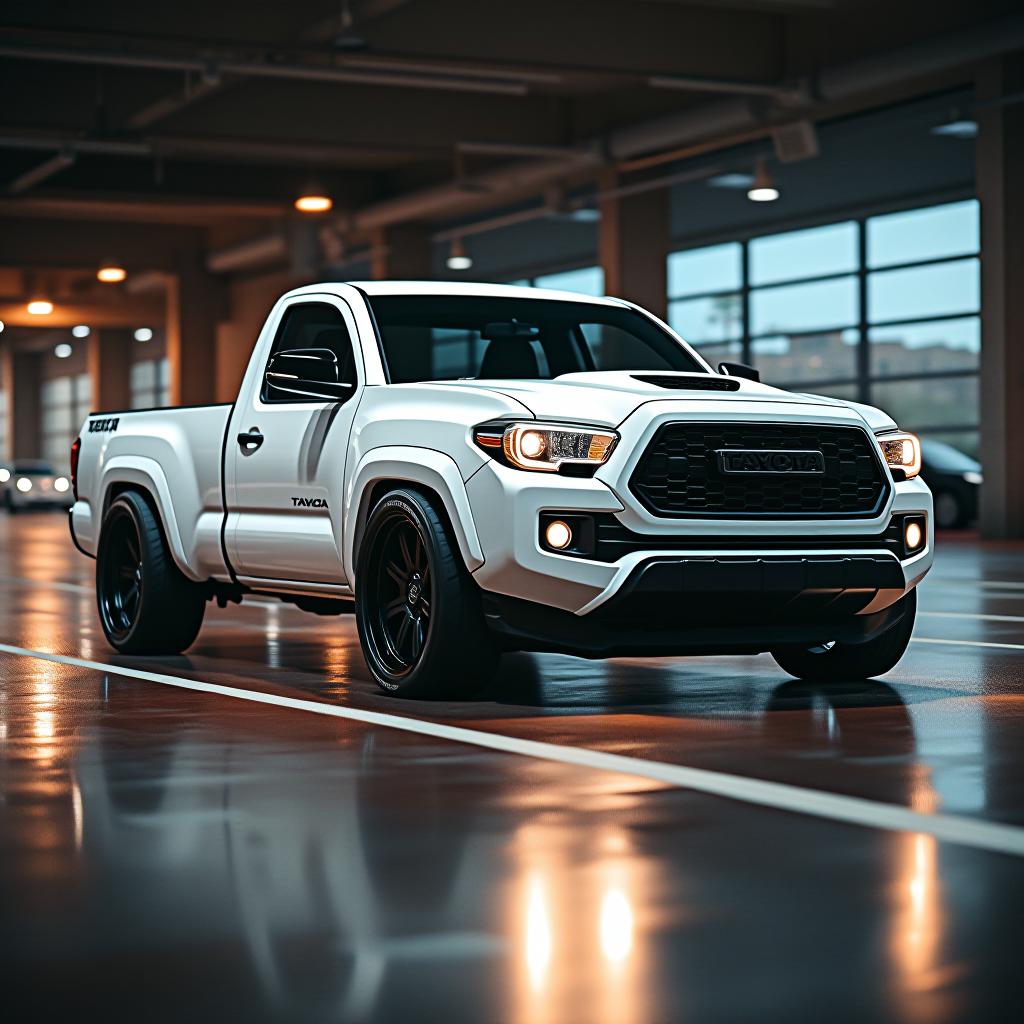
(337, 340)
(510, 358)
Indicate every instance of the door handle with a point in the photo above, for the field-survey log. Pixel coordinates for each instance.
(250, 440)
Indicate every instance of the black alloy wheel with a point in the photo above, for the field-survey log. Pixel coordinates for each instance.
(401, 593)
(120, 583)
(418, 610)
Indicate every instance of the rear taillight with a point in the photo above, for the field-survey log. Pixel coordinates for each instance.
(76, 449)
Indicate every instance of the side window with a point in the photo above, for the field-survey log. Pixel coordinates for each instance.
(312, 325)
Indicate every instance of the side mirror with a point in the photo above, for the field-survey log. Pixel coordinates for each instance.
(739, 370)
(306, 373)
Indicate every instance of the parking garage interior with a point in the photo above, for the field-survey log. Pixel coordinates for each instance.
(826, 190)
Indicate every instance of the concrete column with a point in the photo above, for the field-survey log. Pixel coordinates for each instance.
(1000, 173)
(109, 358)
(402, 253)
(22, 374)
(633, 245)
(195, 305)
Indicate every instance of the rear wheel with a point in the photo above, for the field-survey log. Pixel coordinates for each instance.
(146, 605)
(420, 623)
(832, 662)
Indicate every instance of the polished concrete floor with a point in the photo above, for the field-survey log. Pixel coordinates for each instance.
(171, 855)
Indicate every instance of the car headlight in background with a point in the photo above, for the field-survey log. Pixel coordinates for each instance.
(61, 484)
(970, 477)
(5, 474)
(24, 484)
(902, 451)
(546, 447)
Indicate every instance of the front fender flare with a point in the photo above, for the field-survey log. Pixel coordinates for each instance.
(424, 466)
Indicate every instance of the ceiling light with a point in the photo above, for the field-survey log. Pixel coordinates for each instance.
(63, 350)
(81, 331)
(40, 307)
(731, 180)
(111, 273)
(961, 128)
(763, 189)
(348, 38)
(144, 334)
(313, 204)
(1, 327)
(457, 257)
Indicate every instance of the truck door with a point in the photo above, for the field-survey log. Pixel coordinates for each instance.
(285, 463)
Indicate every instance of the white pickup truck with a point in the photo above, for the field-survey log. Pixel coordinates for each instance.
(477, 468)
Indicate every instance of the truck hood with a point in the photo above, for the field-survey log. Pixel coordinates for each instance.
(609, 397)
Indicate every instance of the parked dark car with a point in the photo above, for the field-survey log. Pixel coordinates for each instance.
(955, 480)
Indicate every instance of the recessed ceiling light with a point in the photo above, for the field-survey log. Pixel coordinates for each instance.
(63, 350)
(40, 307)
(111, 273)
(313, 204)
(81, 331)
(143, 334)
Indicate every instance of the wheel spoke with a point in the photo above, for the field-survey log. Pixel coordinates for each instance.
(403, 634)
(403, 543)
(418, 554)
(395, 572)
(393, 608)
(418, 635)
(133, 551)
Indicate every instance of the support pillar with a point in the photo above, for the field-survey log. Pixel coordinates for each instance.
(402, 253)
(195, 305)
(22, 374)
(109, 360)
(1000, 171)
(633, 244)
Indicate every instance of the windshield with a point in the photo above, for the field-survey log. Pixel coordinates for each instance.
(447, 337)
(947, 459)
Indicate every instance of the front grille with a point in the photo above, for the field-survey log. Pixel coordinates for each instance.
(679, 475)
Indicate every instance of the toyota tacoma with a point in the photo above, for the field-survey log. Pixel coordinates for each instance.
(474, 469)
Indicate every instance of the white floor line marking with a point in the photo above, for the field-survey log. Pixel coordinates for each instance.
(980, 835)
(973, 615)
(966, 643)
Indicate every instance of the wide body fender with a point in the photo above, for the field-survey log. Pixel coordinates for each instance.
(425, 467)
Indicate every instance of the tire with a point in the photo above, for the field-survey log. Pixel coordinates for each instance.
(949, 511)
(838, 663)
(146, 605)
(421, 626)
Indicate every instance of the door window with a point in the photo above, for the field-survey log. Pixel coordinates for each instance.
(313, 325)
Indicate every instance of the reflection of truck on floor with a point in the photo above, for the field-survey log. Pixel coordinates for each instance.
(477, 468)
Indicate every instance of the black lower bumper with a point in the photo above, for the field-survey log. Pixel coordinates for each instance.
(714, 605)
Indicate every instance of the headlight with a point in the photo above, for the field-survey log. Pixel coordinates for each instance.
(546, 447)
(971, 477)
(5, 474)
(901, 451)
(24, 484)
(61, 484)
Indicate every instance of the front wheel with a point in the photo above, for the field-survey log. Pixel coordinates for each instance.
(146, 605)
(832, 662)
(421, 626)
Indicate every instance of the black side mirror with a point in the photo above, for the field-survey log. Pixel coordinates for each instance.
(739, 370)
(306, 373)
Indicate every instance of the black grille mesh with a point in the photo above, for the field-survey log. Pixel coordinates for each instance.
(679, 476)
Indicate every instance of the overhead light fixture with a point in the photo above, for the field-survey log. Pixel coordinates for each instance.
(961, 128)
(763, 189)
(458, 259)
(348, 38)
(40, 307)
(1, 327)
(111, 273)
(81, 331)
(313, 203)
(63, 350)
(734, 179)
(144, 334)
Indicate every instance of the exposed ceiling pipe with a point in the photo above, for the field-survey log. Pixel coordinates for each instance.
(257, 252)
(41, 172)
(724, 119)
(508, 84)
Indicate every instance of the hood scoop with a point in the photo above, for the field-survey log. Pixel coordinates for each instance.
(706, 382)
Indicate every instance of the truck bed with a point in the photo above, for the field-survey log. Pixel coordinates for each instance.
(164, 452)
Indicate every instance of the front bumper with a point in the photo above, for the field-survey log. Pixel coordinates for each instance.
(696, 564)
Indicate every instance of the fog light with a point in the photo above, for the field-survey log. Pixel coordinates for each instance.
(914, 535)
(558, 535)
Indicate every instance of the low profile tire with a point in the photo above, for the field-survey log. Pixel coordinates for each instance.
(421, 626)
(146, 605)
(840, 663)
